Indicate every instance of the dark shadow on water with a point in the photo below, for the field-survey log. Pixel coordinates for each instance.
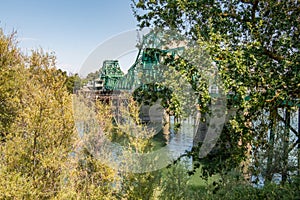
(159, 140)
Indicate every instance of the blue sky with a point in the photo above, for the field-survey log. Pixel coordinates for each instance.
(70, 28)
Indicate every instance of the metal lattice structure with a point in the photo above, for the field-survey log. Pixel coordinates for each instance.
(110, 74)
(145, 68)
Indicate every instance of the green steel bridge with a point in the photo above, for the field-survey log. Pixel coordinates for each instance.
(145, 69)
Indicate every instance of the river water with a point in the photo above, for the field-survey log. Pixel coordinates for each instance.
(176, 143)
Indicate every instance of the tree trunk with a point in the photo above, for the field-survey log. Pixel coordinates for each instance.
(201, 129)
(286, 145)
(166, 123)
(273, 118)
(298, 141)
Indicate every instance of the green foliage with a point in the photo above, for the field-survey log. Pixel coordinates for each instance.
(92, 76)
(37, 131)
(10, 81)
(233, 187)
(255, 46)
(136, 185)
(94, 178)
(73, 82)
(14, 185)
(36, 123)
(89, 179)
(175, 183)
(140, 186)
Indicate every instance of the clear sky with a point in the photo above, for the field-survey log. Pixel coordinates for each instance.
(70, 28)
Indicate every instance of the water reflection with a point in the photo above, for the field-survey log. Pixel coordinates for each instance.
(177, 142)
(166, 147)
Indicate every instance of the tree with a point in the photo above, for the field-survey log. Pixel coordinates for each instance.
(134, 184)
(256, 47)
(10, 81)
(37, 127)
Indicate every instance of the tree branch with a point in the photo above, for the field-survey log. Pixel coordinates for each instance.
(234, 16)
(254, 7)
(273, 55)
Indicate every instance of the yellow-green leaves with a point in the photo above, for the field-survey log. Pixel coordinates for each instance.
(37, 128)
